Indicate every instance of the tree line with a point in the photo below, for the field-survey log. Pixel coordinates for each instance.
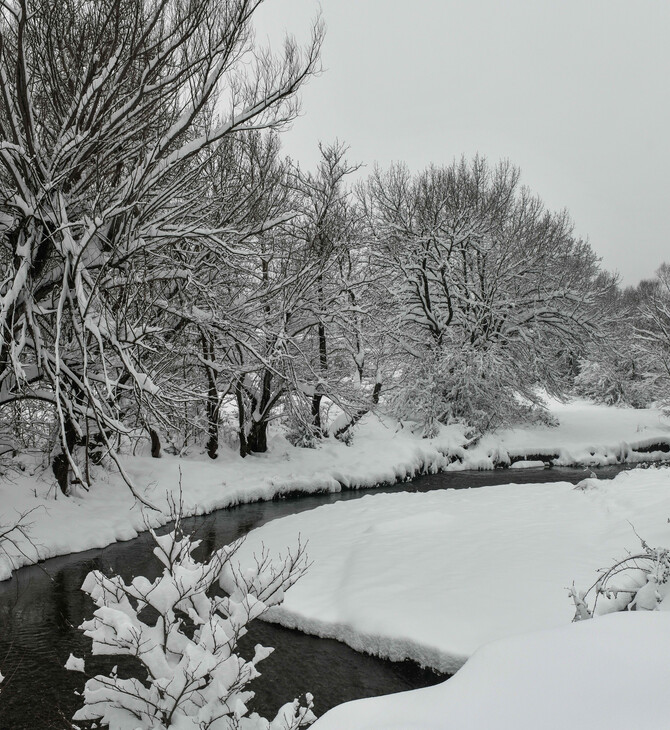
(164, 268)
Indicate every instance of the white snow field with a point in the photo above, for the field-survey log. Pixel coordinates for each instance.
(434, 576)
(586, 434)
(381, 452)
(612, 672)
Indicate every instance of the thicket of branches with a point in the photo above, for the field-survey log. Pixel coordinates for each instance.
(179, 635)
(165, 273)
(630, 365)
(494, 293)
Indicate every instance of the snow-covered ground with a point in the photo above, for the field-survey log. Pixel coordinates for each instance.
(586, 434)
(611, 673)
(434, 576)
(108, 513)
(381, 452)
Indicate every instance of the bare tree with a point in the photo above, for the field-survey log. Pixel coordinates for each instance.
(491, 287)
(109, 112)
(651, 327)
(327, 225)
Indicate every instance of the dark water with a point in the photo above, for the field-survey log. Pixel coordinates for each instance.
(41, 607)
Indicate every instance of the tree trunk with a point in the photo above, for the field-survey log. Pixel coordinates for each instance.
(212, 405)
(316, 414)
(240, 419)
(323, 369)
(257, 440)
(155, 444)
(61, 462)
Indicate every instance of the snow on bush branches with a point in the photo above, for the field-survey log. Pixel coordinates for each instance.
(184, 634)
(637, 583)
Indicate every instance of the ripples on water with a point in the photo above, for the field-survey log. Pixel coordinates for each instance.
(41, 607)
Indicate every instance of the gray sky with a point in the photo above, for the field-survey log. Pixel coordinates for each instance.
(574, 92)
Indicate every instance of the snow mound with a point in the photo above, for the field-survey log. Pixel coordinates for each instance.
(612, 672)
(527, 465)
(74, 664)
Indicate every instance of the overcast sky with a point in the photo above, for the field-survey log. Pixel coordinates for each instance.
(574, 92)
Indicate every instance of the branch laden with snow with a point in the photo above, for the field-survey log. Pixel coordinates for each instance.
(184, 634)
(106, 138)
(639, 582)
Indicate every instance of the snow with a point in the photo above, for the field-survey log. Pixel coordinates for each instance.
(74, 664)
(527, 465)
(587, 434)
(195, 676)
(612, 672)
(434, 576)
(382, 452)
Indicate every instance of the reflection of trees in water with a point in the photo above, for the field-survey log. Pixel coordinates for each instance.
(62, 599)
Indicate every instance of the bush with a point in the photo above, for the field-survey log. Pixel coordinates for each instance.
(615, 383)
(480, 388)
(636, 583)
(183, 633)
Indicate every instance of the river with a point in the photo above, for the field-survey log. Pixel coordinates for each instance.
(42, 606)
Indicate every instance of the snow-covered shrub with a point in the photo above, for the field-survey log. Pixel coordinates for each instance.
(480, 388)
(346, 437)
(637, 583)
(183, 633)
(296, 419)
(302, 436)
(616, 382)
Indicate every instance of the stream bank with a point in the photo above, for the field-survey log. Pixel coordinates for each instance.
(42, 605)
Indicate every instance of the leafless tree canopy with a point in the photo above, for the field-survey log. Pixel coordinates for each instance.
(166, 274)
(111, 114)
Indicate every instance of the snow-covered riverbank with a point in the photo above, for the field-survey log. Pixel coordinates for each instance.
(382, 452)
(108, 513)
(586, 433)
(609, 673)
(482, 575)
(432, 577)
(429, 576)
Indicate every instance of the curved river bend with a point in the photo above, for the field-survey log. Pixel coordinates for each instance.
(41, 607)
